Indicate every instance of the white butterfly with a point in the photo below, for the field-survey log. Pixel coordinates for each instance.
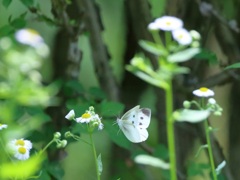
(134, 123)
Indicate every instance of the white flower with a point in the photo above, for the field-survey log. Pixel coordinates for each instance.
(153, 26)
(182, 36)
(85, 118)
(211, 101)
(100, 126)
(29, 37)
(3, 126)
(168, 23)
(21, 142)
(21, 153)
(203, 92)
(20, 148)
(70, 115)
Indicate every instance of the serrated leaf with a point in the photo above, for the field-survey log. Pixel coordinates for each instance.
(233, 66)
(116, 135)
(97, 93)
(152, 48)
(6, 3)
(111, 108)
(192, 116)
(100, 165)
(151, 161)
(184, 55)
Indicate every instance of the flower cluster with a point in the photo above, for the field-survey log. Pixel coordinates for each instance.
(175, 25)
(212, 105)
(20, 148)
(89, 117)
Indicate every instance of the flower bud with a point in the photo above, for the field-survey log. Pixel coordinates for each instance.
(57, 135)
(63, 143)
(186, 104)
(68, 134)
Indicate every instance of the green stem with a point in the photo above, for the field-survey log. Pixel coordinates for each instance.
(168, 39)
(157, 38)
(95, 156)
(44, 149)
(170, 131)
(210, 153)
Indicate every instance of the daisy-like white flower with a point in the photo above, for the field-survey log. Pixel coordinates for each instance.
(3, 126)
(21, 142)
(70, 115)
(182, 36)
(203, 92)
(29, 37)
(21, 153)
(20, 148)
(85, 118)
(168, 23)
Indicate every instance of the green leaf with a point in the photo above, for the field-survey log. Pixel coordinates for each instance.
(97, 93)
(207, 55)
(6, 30)
(100, 165)
(181, 70)
(151, 161)
(156, 82)
(233, 66)
(192, 116)
(28, 3)
(153, 48)
(55, 170)
(18, 23)
(21, 169)
(116, 135)
(197, 168)
(161, 151)
(111, 108)
(6, 3)
(184, 55)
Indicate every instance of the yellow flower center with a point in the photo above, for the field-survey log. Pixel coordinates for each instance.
(180, 36)
(33, 32)
(203, 89)
(168, 23)
(86, 115)
(20, 142)
(22, 150)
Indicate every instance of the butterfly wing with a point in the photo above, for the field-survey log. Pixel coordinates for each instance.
(144, 117)
(134, 123)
